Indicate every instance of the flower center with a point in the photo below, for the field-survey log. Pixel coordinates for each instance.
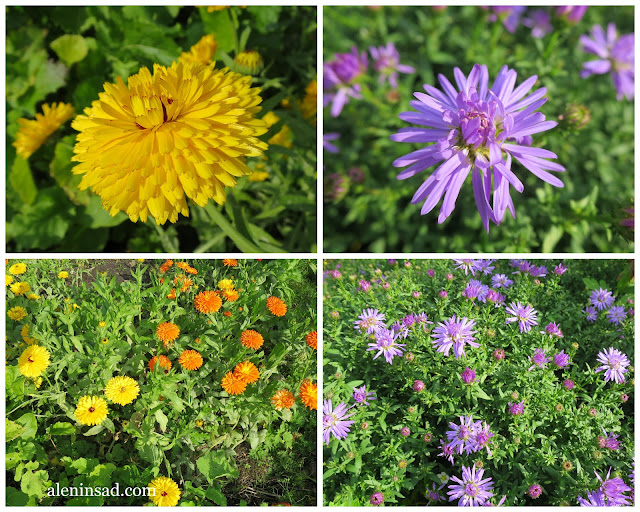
(92, 409)
(471, 489)
(123, 389)
(30, 360)
(482, 439)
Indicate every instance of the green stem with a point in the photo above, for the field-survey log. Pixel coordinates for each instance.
(167, 245)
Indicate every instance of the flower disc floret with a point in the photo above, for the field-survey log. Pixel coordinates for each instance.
(476, 129)
(526, 316)
(283, 399)
(276, 306)
(386, 343)
(122, 390)
(471, 490)
(454, 333)
(614, 363)
(247, 372)
(182, 132)
(233, 385)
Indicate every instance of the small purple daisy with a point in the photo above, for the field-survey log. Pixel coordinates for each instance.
(405, 431)
(539, 359)
(559, 269)
(485, 266)
(568, 384)
(601, 299)
(334, 421)
(592, 314)
(370, 321)
(615, 363)
(387, 63)
(418, 386)
(386, 344)
(501, 281)
(616, 314)
(466, 265)
(454, 333)
(471, 490)
(534, 491)
(361, 395)
(468, 375)
(561, 360)
(339, 79)
(526, 316)
(553, 330)
(614, 489)
(447, 451)
(517, 409)
(377, 498)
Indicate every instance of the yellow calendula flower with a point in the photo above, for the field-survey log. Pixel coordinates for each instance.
(309, 105)
(102, 324)
(63, 275)
(164, 492)
(202, 52)
(258, 176)
(20, 288)
(91, 410)
(17, 313)
(33, 361)
(284, 136)
(225, 284)
(8, 279)
(32, 296)
(32, 134)
(37, 382)
(122, 390)
(180, 133)
(17, 269)
(248, 62)
(24, 332)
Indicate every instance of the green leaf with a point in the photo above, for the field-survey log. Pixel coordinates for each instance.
(16, 498)
(215, 464)
(21, 180)
(241, 242)
(219, 23)
(13, 430)
(214, 494)
(99, 217)
(28, 421)
(552, 237)
(61, 429)
(157, 55)
(265, 18)
(94, 430)
(162, 420)
(70, 48)
(60, 169)
(35, 483)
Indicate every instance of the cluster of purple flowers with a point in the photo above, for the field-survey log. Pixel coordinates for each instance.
(335, 420)
(540, 359)
(611, 493)
(602, 300)
(469, 436)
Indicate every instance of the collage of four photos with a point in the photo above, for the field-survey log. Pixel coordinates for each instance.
(185, 266)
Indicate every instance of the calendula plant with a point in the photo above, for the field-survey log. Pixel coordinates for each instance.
(195, 379)
(478, 382)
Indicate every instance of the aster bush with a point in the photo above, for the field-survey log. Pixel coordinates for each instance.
(467, 128)
(141, 373)
(161, 129)
(500, 389)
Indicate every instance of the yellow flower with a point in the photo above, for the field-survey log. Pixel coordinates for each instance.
(17, 268)
(63, 275)
(122, 390)
(248, 62)
(25, 334)
(20, 288)
(202, 52)
(17, 313)
(102, 324)
(258, 176)
(164, 492)
(199, 423)
(309, 105)
(91, 410)
(225, 284)
(8, 279)
(33, 361)
(37, 382)
(283, 137)
(104, 341)
(33, 296)
(32, 134)
(140, 260)
(180, 133)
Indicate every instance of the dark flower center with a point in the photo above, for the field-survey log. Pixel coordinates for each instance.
(92, 409)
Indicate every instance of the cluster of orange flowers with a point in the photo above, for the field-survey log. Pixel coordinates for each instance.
(235, 382)
(276, 306)
(230, 263)
(180, 264)
(284, 399)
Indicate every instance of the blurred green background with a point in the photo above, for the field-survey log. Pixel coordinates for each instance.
(376, 215)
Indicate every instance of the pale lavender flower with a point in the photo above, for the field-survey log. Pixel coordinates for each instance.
(485, 266)
(568, 384)
(334, 421)
(601, 299)
(361, 395)
(616, 315)
(370, 321)
(423, 320)
(481, 438)
(386, 61)
(416, 295)
(614, 489)
(573, 13)
(326, 144)
(526, 316)
(539, 359)
(336, 274)
(591, 313)
(468, 375)
(517, 409)
(454, 333)
(459, 436)
(594, 499)
(466, 265)
(400, 328)
(539, 21)
(495, 297)
(561, 360)
(501, 281)
(559, 269)
(474, 131)
(610, 440)
(553, 330)
(538, 271)
(443, 294)
(616, 55)
(615, 363)
(508, 14)
(471, 490)
(386, 344)
(447, 451)
(339, 79)
(391, 261)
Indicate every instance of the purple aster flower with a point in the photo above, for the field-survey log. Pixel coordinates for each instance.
(485, 266)
(459, 436)
(431, 272)
(336, 274)
(423, 320)
(510, 15)
(475, 289)
(334, 421)
(610, 441)
(601, 299)
(386, 344)
(416, 295)
(409, 320)
(615, 363)
(613, 490)
(326, 137)
(616, 55)
(405, 431)
(539, 21)
(391, 261)
(573, 13)
(471, 490)
(534, 491)
(538, 271)
(466, 265)
(432, 495)
(477, 130)
(454, 333)
(553, 330)
(376, 498)
(568, 384)
(338, 79)
(370, 321)
(495, 297)
(616, 315)
(629, 221)
(594, 499)
(443, 294)
(447, 451)
(526, 316)
(407, 264)
(561, 360)
(501, 281)
(481, 438)
(361, 395)
(400, 328)
(559, 269)
(468, 375)
(365, 286)
(418, 386)
(498, 354)
(591, 313)
(517, 409)
(539, 359)
(386, 61)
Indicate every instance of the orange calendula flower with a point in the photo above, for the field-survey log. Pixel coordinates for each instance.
(191, 270)
(276, 306)
(208, 302)
(312, 339)
(247, 372)
(309, 394)
(190, 359)
(230, 263)
(167, 332)
(227, 313)
(163, 361)
(283, 399)
(166, 266)
(231, 295)
(172, 295)
(233, 385)
(182, 265)
(251, 339)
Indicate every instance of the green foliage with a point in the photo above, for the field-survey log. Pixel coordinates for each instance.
(100, 322)
(66, 54)
(558, 425)
(375, 215)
